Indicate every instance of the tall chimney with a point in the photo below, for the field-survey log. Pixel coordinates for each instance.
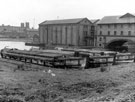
(27, 24)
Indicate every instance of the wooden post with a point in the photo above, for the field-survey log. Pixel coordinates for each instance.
(114, 59)
(106, 61)
(65, 64)
(78, 62)
(37, 61)
(25, 59)
(31, 60)
(44, 63)
(134, 58)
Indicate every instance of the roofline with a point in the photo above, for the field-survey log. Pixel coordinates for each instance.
(56, 24)
(114, 23)
(85, 18)
(65, 23)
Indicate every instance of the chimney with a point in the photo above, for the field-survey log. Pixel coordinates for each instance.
(27, 24)
(22, 25)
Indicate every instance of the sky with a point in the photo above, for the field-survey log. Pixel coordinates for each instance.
(13, 12)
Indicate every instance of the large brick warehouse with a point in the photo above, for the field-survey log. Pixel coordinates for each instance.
(75, 32)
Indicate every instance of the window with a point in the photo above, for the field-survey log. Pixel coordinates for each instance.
(115, 33)
(5, 29)
(121, 33)
(108, 26)
(108, 32)
(85, 33)
(85, 26)
(129, 32)
(100, 32)
(121, 25)
(100, 26)
(100, 45)
(129, 25)
(92, 27)
(115, 26)
(100, 39)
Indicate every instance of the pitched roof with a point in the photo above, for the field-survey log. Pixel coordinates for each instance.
(63, 21)
(94, 20)
(126, 18)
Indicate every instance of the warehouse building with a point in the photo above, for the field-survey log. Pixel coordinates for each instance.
(114, 31)
(74, 32)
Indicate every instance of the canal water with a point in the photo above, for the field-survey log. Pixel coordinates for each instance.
(14, 44)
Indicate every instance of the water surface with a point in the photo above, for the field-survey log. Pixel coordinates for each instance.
(14, 44)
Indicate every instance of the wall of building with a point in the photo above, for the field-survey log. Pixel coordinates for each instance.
(41, 36)
(67, 34)
(58, 34)
(114, 31)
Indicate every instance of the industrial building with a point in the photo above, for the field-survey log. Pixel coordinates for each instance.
(114, 31)
(66, 32)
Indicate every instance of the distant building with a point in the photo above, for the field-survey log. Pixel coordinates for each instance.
(17, 32)
(66, 32)
(114, 31)
(31, 35)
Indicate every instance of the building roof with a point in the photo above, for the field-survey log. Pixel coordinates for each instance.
(126, 18)
(63, 21)
(94, 20)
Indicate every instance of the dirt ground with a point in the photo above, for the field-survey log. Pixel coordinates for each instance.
(32, 83)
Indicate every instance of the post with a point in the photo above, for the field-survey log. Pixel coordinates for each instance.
(106, 61)
(25, 59)
(44, 63)
(134, 58)
(114, 59)
(31, 60)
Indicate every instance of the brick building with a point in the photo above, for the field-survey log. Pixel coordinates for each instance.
(66, 32)
(114, 31)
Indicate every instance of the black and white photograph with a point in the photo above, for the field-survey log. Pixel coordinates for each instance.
(67, 51)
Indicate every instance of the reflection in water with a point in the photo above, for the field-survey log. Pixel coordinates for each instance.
(14, 44)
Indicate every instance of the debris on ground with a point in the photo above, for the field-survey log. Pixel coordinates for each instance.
(29, 83)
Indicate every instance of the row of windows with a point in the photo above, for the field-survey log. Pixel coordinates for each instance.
(100, 39)
(116, 25)
(115, 33)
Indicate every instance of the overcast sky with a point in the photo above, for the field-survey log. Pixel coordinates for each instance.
(13, 12)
